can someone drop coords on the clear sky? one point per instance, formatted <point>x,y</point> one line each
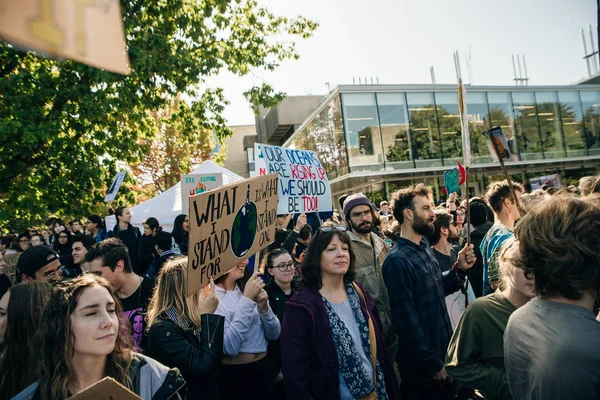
<point>398,40</point>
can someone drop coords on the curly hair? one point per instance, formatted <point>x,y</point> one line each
<point>442,220</point>
<point>559,242</point>
<point>55,340</point>
<point>589,185</point>
<point>312,275</point>
<point>25,307</point>
<point>404,198</point>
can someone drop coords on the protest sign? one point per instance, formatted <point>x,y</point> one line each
<point>87,31</point>
<point>451,179</point>
<point>539,181</point>
<point>303,183</point>
<point>114,188</point>
<point>106,389</point>
<point>500,140</point>
<point>228,225</point>
<point>192,184</point>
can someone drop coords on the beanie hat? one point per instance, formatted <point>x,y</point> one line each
<point>35,258</point>
<point>357,199</point>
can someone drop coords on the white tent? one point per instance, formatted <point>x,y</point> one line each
<point>167,205</point>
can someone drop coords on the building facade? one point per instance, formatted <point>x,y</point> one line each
<point>377,138</point>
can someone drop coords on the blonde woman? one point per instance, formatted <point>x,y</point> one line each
<point>184,332</point>
<point>475,356</point>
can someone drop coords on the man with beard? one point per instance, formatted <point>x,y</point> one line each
<point>370,251</point>
<point>417,291</point>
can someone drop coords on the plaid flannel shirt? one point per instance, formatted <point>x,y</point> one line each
<point>417,291</point>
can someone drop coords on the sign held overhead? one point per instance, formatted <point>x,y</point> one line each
<point>228,225</point>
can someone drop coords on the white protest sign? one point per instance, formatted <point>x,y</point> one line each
<point>303,183</point>
<point>193,184</point>
<point>114,188</point>
<point>87,31</point>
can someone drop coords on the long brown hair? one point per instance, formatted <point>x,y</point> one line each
<point>170,293</point>
<point>55,340</point>
<point>25,307</point>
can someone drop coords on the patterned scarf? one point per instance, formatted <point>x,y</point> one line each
<point>184,324</point>
<point>359,381</point>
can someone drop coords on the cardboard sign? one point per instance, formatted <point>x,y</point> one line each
<point>501,142</point>
<point>228,225</point>
<point>114,188</point>
<point>87,31</point>
<point>303,183</point>
<point>106,389</point>
<point>193,184</point>
<point>451,179</point>
<point>539,181</point>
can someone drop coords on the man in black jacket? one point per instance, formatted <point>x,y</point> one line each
<point>481,224</point>
<point>163,242</point>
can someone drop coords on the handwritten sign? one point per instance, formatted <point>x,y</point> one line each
<point>451,179</point>
<point>193,184</point>
<point>303,183</point>
<point>115,186</point>
<point>498,136</point>
<point>228,225</point>
<point>88,31</point>
<point>106,389</point>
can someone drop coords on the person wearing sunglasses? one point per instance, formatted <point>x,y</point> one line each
<point>39,264</point>
<point>332,341</point>
<point>279,269</point>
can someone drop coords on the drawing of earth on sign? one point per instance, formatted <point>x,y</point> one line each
<point>243,230</point>
<point>201,188</point>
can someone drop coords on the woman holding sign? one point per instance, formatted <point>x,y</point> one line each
<point>249,322</point>
<point>331,342</point>
<point>184,331</point>
<point>81,341</point>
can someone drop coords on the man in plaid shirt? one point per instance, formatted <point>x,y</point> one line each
<point>417,292</point>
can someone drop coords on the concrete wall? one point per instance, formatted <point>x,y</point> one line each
<point>236,155</point>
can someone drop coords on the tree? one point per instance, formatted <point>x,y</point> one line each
<point>64,125</point>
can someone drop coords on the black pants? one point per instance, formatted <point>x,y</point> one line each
<point>246,381</point>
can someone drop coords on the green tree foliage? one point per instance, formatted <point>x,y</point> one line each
<point>64,125</point>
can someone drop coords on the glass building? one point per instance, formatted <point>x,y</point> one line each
<point>377,138</point>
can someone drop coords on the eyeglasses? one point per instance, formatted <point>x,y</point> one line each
<point>339,228</point>
<point>57,271</point>
<point>23,240</point>
<point>286,267</point>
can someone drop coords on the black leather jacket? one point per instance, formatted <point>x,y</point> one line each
<point>198,361</point>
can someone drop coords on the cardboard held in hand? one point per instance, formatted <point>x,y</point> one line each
<point>228,225</point>
<point>106,389</point>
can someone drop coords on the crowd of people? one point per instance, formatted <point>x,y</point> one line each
<point>400,300</point>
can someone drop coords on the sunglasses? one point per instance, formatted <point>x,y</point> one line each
<point>339,228</point>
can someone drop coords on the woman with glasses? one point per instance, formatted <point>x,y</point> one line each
<point>279,269</point>
<point>23,242</point>
<point>249,323</point>
<point>331,340</point>
<point>475,355</point>
<point>64,247</point>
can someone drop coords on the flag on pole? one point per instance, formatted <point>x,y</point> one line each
<point>464,122</point>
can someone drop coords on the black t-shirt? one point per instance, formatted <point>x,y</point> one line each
<point>446,262</point>
<point>135,308</point>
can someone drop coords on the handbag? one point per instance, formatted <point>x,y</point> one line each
<point>373,340</point>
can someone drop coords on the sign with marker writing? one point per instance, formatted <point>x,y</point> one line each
<point>303,183</point>
<point>106,389</point>
<point>88,31</point>
<point>192,184</point>
<point>229,225</point>
<point>451,179</point>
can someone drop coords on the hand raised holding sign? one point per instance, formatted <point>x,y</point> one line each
<point>262,300</point>
<point>300,222</point>
<point>254,285</point>
<point>208,299</point>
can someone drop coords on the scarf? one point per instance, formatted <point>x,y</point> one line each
<point>182,322</point>
<point>359,381</point>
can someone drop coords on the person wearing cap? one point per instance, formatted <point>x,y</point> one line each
<point>39,264</point>
<point>384,209</point>
<point>370,251</point>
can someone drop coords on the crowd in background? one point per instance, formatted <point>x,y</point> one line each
<point>403,299</point>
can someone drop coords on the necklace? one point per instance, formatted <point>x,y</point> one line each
<point>212,339</point>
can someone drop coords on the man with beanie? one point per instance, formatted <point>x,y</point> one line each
<point>39,264</point>
<point>370,251</point>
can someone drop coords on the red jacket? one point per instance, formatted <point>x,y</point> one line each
<point>309,361</point>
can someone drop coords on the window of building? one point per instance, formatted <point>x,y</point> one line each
<point>448,117</point>
<point>363,138</point>
<point>548,112</point>
<point>590,100</point>
<point>529,139</point>
<point>571,116</point>
<point>394,123</point>
<point>477,110</point>
<point>424,130</point>
<point>501,114</point>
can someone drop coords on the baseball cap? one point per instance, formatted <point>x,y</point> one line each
<point>35,258</point>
